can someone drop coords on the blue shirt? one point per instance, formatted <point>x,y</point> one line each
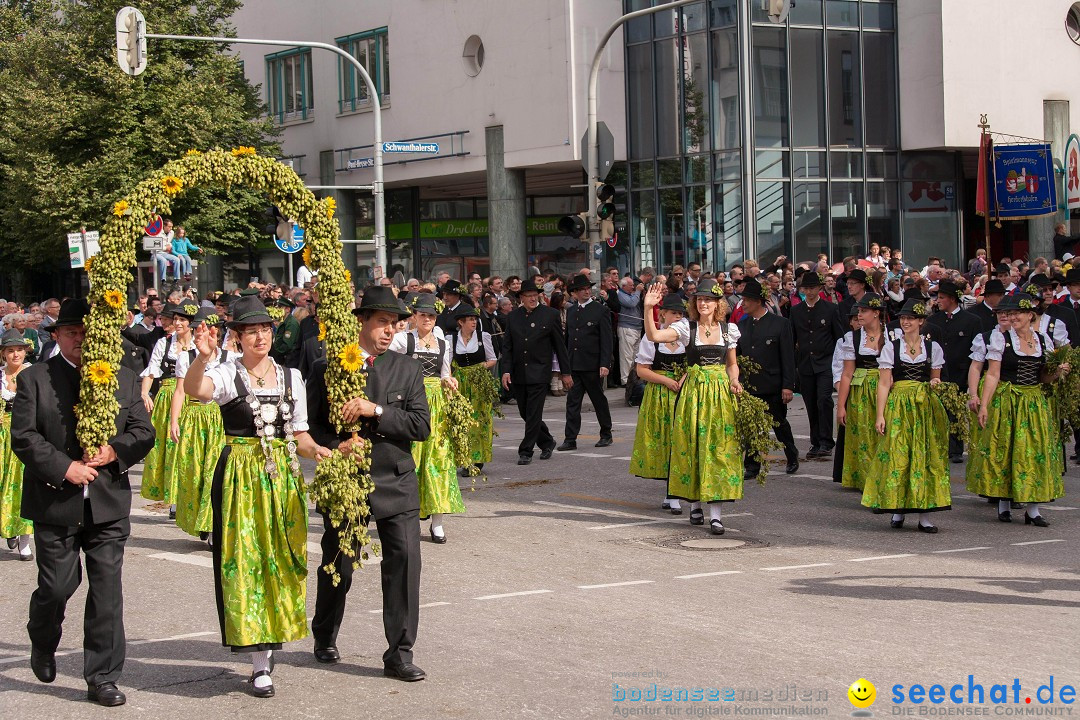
<point>183,246</point>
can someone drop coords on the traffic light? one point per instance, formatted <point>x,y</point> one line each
<point>279,225</point>
<point>131,41</point>
<point>606,210</point>
<point>572,225</point>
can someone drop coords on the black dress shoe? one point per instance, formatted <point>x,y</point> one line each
<point>697,517</point>
<point>524,459</point>
<point>604,442</point>
<point>716,527</point>
<point>261,692</point>
<point>327,655</point>
<point>43,664</point>
<point>792,467</point>
<point>956,459</point>
<point>813,453</point>
<point>567,445</point>
<point>676,511</point>
<point>896,523</point>
<point>1005,516</point>
<point>172,513</point>
<point>437,539</point>
<point>404,671</point>
<point>546,454</point>
<point>1037,521</point>
<point>12,543</point>
<point>106,694</point>
<point>927,528</point>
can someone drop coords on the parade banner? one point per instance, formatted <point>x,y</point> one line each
<point>1072,173</point>
<point>1023,181</point>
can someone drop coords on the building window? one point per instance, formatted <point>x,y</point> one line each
<point>372,50</point>
<point>289,87</point>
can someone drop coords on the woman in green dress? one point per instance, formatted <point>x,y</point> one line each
<point>260,514</point>
<point>435,468</point>
<point>158,482</point>
<point>473,358</point>
<point>856,405</point>
<point>660,365</point>
<point>993,488</point>
<point>196,429</point>
<point>706,457</point>
<point>911,471</point>
<point>1022,457</point>
<point>17,531</point>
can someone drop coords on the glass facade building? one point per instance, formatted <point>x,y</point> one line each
<point>751,138</point>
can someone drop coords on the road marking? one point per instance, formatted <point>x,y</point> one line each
<point>507,447</point>
<point>795,567</point>
<point>615,584</point>
<point>881,557</point>
<point>63,653</point>
<point>631,524</point>
<point>513,594</point>
<point>812,477</point>
<point>591,455</point>
<point>185,636</point>
<point>708,574</point>
<point>627,458</point>
<point>1057,507</point>
<point>434,604</point>
<point>186,559</point>
<point>1037,542</point>
<point>979,547</point>
<point>609,501</point>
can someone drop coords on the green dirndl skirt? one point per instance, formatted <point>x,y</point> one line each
<point>911,470</point>
<point>158,482</point>
<point>471,382</point>
<point>11,483</point>
<point>861,439</point>
<point>439,492</point>
<point>706,457</point>
<point>201,441</point>
<point>978,481</point>
<point>1020,447</point>
<point>260,547</point>
<point>652,438</point>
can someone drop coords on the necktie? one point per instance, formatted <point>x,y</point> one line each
<point>370,362</point>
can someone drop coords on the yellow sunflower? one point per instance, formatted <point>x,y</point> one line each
<point>121,208</point>
<point>86,265</point>
<point>331,206</point>
<point>322,331</point>
<point>172,184</point>
<point>348,276</point>
<point>350,358</point>
<point>243,150</point>
<point>192,152</point>
<point>307,255</point>
<point>114,298</point>
<point>100,372</point>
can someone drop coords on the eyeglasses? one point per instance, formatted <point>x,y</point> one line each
<point>257,332</point>
<point>678,273</point>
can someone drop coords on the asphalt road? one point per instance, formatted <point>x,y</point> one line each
<point>564,591</point>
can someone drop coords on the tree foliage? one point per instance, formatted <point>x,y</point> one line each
<point>76,133</point>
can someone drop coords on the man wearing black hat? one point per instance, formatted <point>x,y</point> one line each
<point>1054,320</point>
<point>957,329</point>
<point>77,503</point>
<point>767,340</point>
<point>856,286</point>
<point>533,336</point>
<point>394,413</point>
<point>816,326</point>
<point>286,336</point>
<point>1003,272</point>
<point>588,346</point>
<point>992,293</point>
<point>451,297</point>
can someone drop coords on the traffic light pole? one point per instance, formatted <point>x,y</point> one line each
<point>594,153</point>
<point>377,186</point>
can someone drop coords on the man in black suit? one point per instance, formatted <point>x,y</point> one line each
<point>588,345</point>
<point>767,340</point>
<point>992,293</point>
<point>451,297</point>
<point>1061,325</point>
<point>1063,242</point>
<point>816,326</point>
<point>394,413</point>
<point>533,336</point>
<point>856,285</point>
<point>957,330</point>
<point>78,502</point>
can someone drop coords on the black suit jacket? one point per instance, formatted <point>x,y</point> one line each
<point>769,343</point>
<point>816,331</point>
<point>987,317</point>
<point>530,341</point>
<point>135,358</point>
<point>43,437</point>
<point>313,350</point>
<point>588,337</point>
<point>956,336</point>
<point>397,384</point>
<point>446,322</point>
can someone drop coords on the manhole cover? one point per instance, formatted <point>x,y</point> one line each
<point>713,543</point>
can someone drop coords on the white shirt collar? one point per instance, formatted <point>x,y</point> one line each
<point>585,303</point>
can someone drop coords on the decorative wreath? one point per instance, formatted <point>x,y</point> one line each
<point>1026,304</point>
<point>919,309</point>
<point>341,487</point>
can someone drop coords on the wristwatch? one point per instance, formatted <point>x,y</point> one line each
<point>378,411</point>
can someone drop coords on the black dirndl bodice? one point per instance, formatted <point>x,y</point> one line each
<point>430,363</point>
<point>916,372</point>
<point>1020,369</point>
<point>663,362</point>
<point>706,354</point>
<point>863,362</point>
<point>168,365</point>
<point>475,357</point>
<point>238,418</point>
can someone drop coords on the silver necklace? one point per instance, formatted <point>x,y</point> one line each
<point>266,415</point>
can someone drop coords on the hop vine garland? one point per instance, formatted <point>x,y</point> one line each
<point>483,383</point>
<point>754,428</point>
<point>459,423</point>
<point>955,404</point>
<point>1065,393</point>
<point>341,483</point>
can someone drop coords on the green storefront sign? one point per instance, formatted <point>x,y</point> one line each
<point>439,229</point>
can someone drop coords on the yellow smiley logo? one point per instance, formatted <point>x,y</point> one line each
<point>862,693</point>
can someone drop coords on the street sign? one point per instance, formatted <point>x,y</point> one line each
<point>155,227</point>
<point>153,243</point>
<point>131,41</point>
<point>411,147</point>
<point>613,240</point>
<point>293,245</point>
<point>605,146</point>
<point>81,246</point>
<point>598,250</point>
<point>360,163</point>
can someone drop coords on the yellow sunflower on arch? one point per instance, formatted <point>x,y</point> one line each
<point>172,184</point>
<point>114,299</point>
<point>350,358</point>
<point>100,372</point>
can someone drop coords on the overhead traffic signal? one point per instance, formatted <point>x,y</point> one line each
<point>607,209</point>
<point>572,225</point>
<point>131,41</point>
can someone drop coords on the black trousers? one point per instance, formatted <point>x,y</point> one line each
<point>587,381</point>
<point>778,410</point>
<point>399,536</point>
<point>817,391</point>
<point>530,401</point>
<point>59,575</point>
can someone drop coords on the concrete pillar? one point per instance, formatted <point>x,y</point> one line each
<point>1056,130</point>
<point>211,274</point>
<point>506,209</point>
<point>346,211</point>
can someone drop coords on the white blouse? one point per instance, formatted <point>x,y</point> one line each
<point>464,348</point>
<point>400,345</point>
<point>997,344</point>
<point>646,353</point>
<point>153,369</point>
<point>847,345</point>
<point>937,357</point>
<point>682,327</point>
<point>224,378</point>
<point>978,349</point>
<point>8,395</point>
<point>837,362</point>
<point>1061,333</point>
<point>183,362</point>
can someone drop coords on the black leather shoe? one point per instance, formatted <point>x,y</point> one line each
<point>927,528</point>
<point>716,527</point>
<point>813,453</point>
<point>567,445</point>
<point>106,694</point>
<point>437,539</point>
<point>172,513</point>
<point>697,517</point>
<point>546,454</point>
<point>896,523</point>
<point>676,511</point>
<point>956,459</point>
<point>1005,516</point>
<point>12,543</point>
<point>1037,521</point>
<point>604,442</point>
<point>524,459</point>
<point>327,655</point>
<point>261,692</point>
<point>43,664</point>
<point>792,467</point>
<point>404,671</point>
